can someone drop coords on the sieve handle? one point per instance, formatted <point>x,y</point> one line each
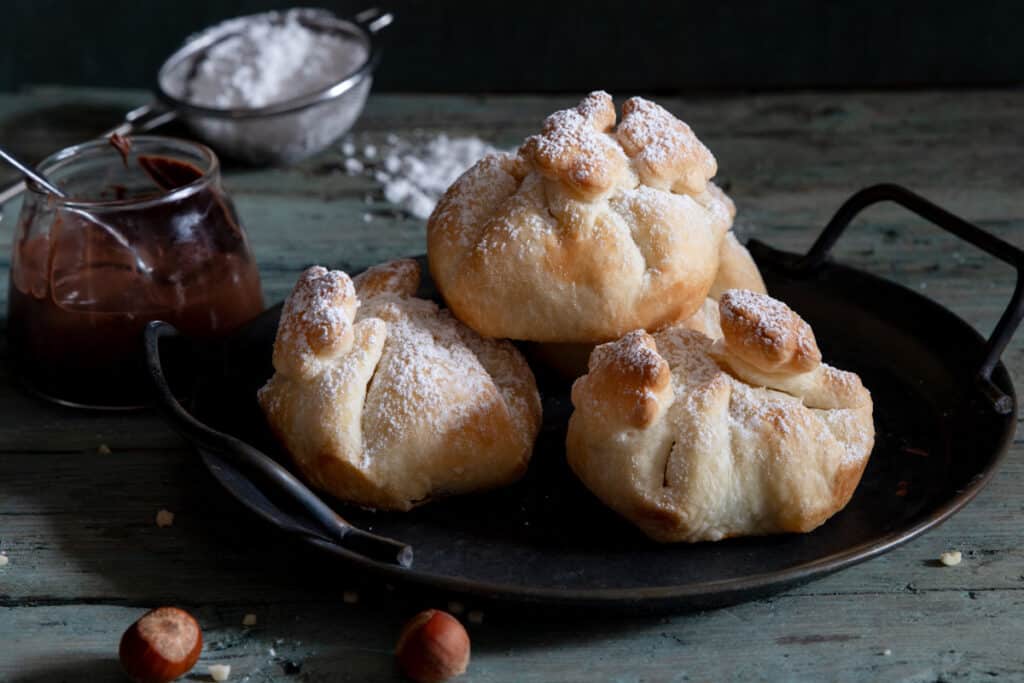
<point>143,119</point>
<point>373,19</point>
<point>139,120</point>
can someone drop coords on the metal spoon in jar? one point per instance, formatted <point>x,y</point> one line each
<point>48,185</point>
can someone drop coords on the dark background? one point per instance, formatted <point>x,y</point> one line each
<point>536,45</point>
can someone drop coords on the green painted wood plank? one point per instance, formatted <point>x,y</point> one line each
<point>78,525</point>
<point>82,528</point>
<point>797,638</point>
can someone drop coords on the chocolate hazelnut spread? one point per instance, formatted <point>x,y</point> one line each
<point>79,298</point>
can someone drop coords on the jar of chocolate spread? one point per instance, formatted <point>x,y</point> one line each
<point>146,233</point>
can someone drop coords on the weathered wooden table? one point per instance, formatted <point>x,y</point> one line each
<point>77,522</point>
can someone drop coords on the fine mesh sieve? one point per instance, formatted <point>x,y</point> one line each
<point>281,133</point>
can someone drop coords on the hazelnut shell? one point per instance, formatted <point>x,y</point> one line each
<point>164,644</point>
<point>433,647</point>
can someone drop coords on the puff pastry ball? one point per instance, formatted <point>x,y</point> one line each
<point>588,231</point>
<point>385,401</point>
<point>694,440</point>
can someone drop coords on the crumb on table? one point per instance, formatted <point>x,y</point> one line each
<point>219,672</point>
<point>950,558</point>
<point>164,518</point>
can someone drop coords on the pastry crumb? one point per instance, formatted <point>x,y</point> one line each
<point>249,620</point>
<point>164,518</point>
<point>951,558</point>
<point>456,607</point>
<point>475,617</point>
<point>219,672</point>
<point>103,449</point>
<point>350,597</point>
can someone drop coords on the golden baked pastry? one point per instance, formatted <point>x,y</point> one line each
<point>386,401</point>
<point>588,231</point>
<point>694,440</point>
<point>736,269</point>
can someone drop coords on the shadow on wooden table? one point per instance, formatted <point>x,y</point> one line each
<point>54,127</point>
<point>98,669</point>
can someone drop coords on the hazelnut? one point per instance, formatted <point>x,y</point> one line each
<point>161,646</point>
<point>433,647</point>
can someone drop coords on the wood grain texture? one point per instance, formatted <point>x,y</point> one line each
<point>86,557</point>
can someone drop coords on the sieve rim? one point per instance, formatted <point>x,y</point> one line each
<point>362,25</point>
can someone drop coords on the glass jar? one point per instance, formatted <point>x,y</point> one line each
<point>145,233</point>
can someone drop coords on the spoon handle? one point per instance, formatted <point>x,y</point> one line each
<point>30,173</point>
<point>251,460</point>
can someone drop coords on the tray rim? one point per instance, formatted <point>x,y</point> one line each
<point>679,597</point>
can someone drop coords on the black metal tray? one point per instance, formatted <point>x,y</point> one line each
<point>945,414</point>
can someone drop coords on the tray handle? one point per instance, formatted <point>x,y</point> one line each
<point>251,459</point>
<point>987,242</point>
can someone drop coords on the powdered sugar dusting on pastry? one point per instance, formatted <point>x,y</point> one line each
<point>770,316</point>
<point>424,363</point>
<point>477,194</point>
<point>766,332</point>
<point>319,306</point>
<point>667,153</point>
<point>575,145</point>
<point>601,229</point>
<point>416,405</point>
<point>781,452</point>
<point>315,320</point>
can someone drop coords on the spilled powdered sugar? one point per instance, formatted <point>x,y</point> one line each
<point>415,171</point>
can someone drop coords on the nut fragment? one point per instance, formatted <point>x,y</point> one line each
<point>161,646</point>
<point>219,672</point>
<point>433,647</point>
<point>164,518</point>
<point>950,558</point>
<point>249,620</point>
